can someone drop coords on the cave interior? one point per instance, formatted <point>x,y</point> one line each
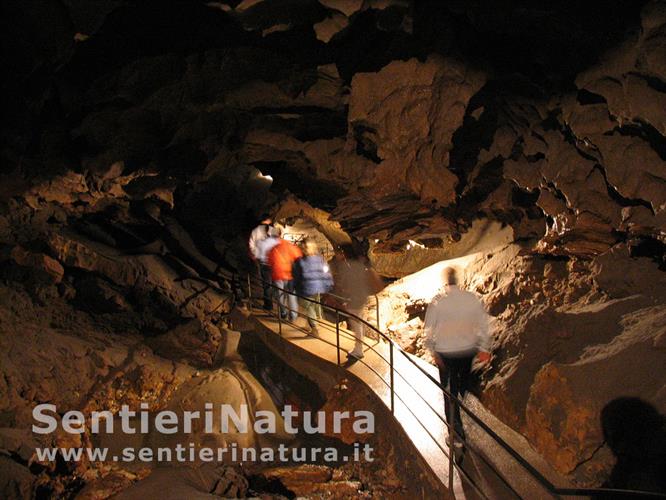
<point>522,142</point>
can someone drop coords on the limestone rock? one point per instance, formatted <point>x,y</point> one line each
<point>231,484</point>
<point>407,113</point>
<point>48,267</point>
<point>20,443</point>
<point>628,77</point>
<point>16,481</point>
<point>107,486</point>
<point>562,415</point>
<point>392,219</point>
<point>195,342</point>
<point>483,235</point>
<point>564,430</point>
<point>76,252</point>
<point>634,169</point>
<point>327,91</point>
<point>330,26</point>
<point>65,189</point>
<point>293,207</point>
<point>303,474</point>
<point>332,489</point>
<point>98,295</point>
<point>200,482</point>
<point>149,275</point>
<point>152,187</point>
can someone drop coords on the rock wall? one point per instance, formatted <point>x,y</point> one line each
<point>142,141</point>
<point>568,337</point>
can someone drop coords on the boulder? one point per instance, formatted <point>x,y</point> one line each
<point>197,483</point>
<point>563,411</point>
<point>48,268</point>
<point>16,481</point>
<point>195,342</point>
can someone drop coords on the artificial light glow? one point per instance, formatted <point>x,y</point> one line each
<point>261,176</point>
<point>416,244</point>
<point>326,268</point>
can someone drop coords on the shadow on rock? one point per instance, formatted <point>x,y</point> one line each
<point>636,434</point>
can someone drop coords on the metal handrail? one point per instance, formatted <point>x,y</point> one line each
<point>528,467</point>
<point>451,430</point>
<point>348,298</point>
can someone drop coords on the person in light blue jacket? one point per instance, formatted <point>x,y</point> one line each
<point>312,278</point>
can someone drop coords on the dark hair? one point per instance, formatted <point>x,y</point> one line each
<point>450,276</point>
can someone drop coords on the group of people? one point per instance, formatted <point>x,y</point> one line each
<point>456,333</point>
<point>456,324</point>
<point>291,271</point>
<point>295,271</point>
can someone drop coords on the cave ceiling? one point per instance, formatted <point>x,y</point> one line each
<point>403,120</point>
<point>522,141</point>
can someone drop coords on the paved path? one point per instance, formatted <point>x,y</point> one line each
<point>419,408</point>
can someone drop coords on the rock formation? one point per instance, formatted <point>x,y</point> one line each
<point>525,144</point>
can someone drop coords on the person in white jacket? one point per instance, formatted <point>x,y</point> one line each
<point>456,331</point>
<point>258,250</point>
<point>258,233</point>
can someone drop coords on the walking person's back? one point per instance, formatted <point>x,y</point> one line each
<point>456,327</point>
<point>311,279</point>
<point>281,259</point>
<point>258,234</point>
<point>457,321</point>
<point>262,239</point>
<point>357,282</point>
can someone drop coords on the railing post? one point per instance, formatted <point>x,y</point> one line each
<point>451,445</point>
<point>249,292</point>
<point>279,315</point>
<point>392,378</point>
<point>377,310</point>
<point>337,333</point>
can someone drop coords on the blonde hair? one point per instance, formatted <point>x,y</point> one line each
<point>311,248</point>
<point>276,230</point>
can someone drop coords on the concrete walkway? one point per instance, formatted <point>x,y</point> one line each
<point>419,408</point>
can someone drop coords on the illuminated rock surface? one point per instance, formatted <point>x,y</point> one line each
<point>142,141</point>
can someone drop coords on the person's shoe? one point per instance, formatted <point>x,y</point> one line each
<point>356,353</point>
<point>459,450</point>
<point>459,445</point>
<point>268,307</point>
<point>293,317</point>
<point>314,332</point>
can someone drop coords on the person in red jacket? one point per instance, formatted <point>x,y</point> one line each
<point>281,259</point>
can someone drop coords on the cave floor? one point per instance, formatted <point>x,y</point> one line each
<point>419,408</point>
